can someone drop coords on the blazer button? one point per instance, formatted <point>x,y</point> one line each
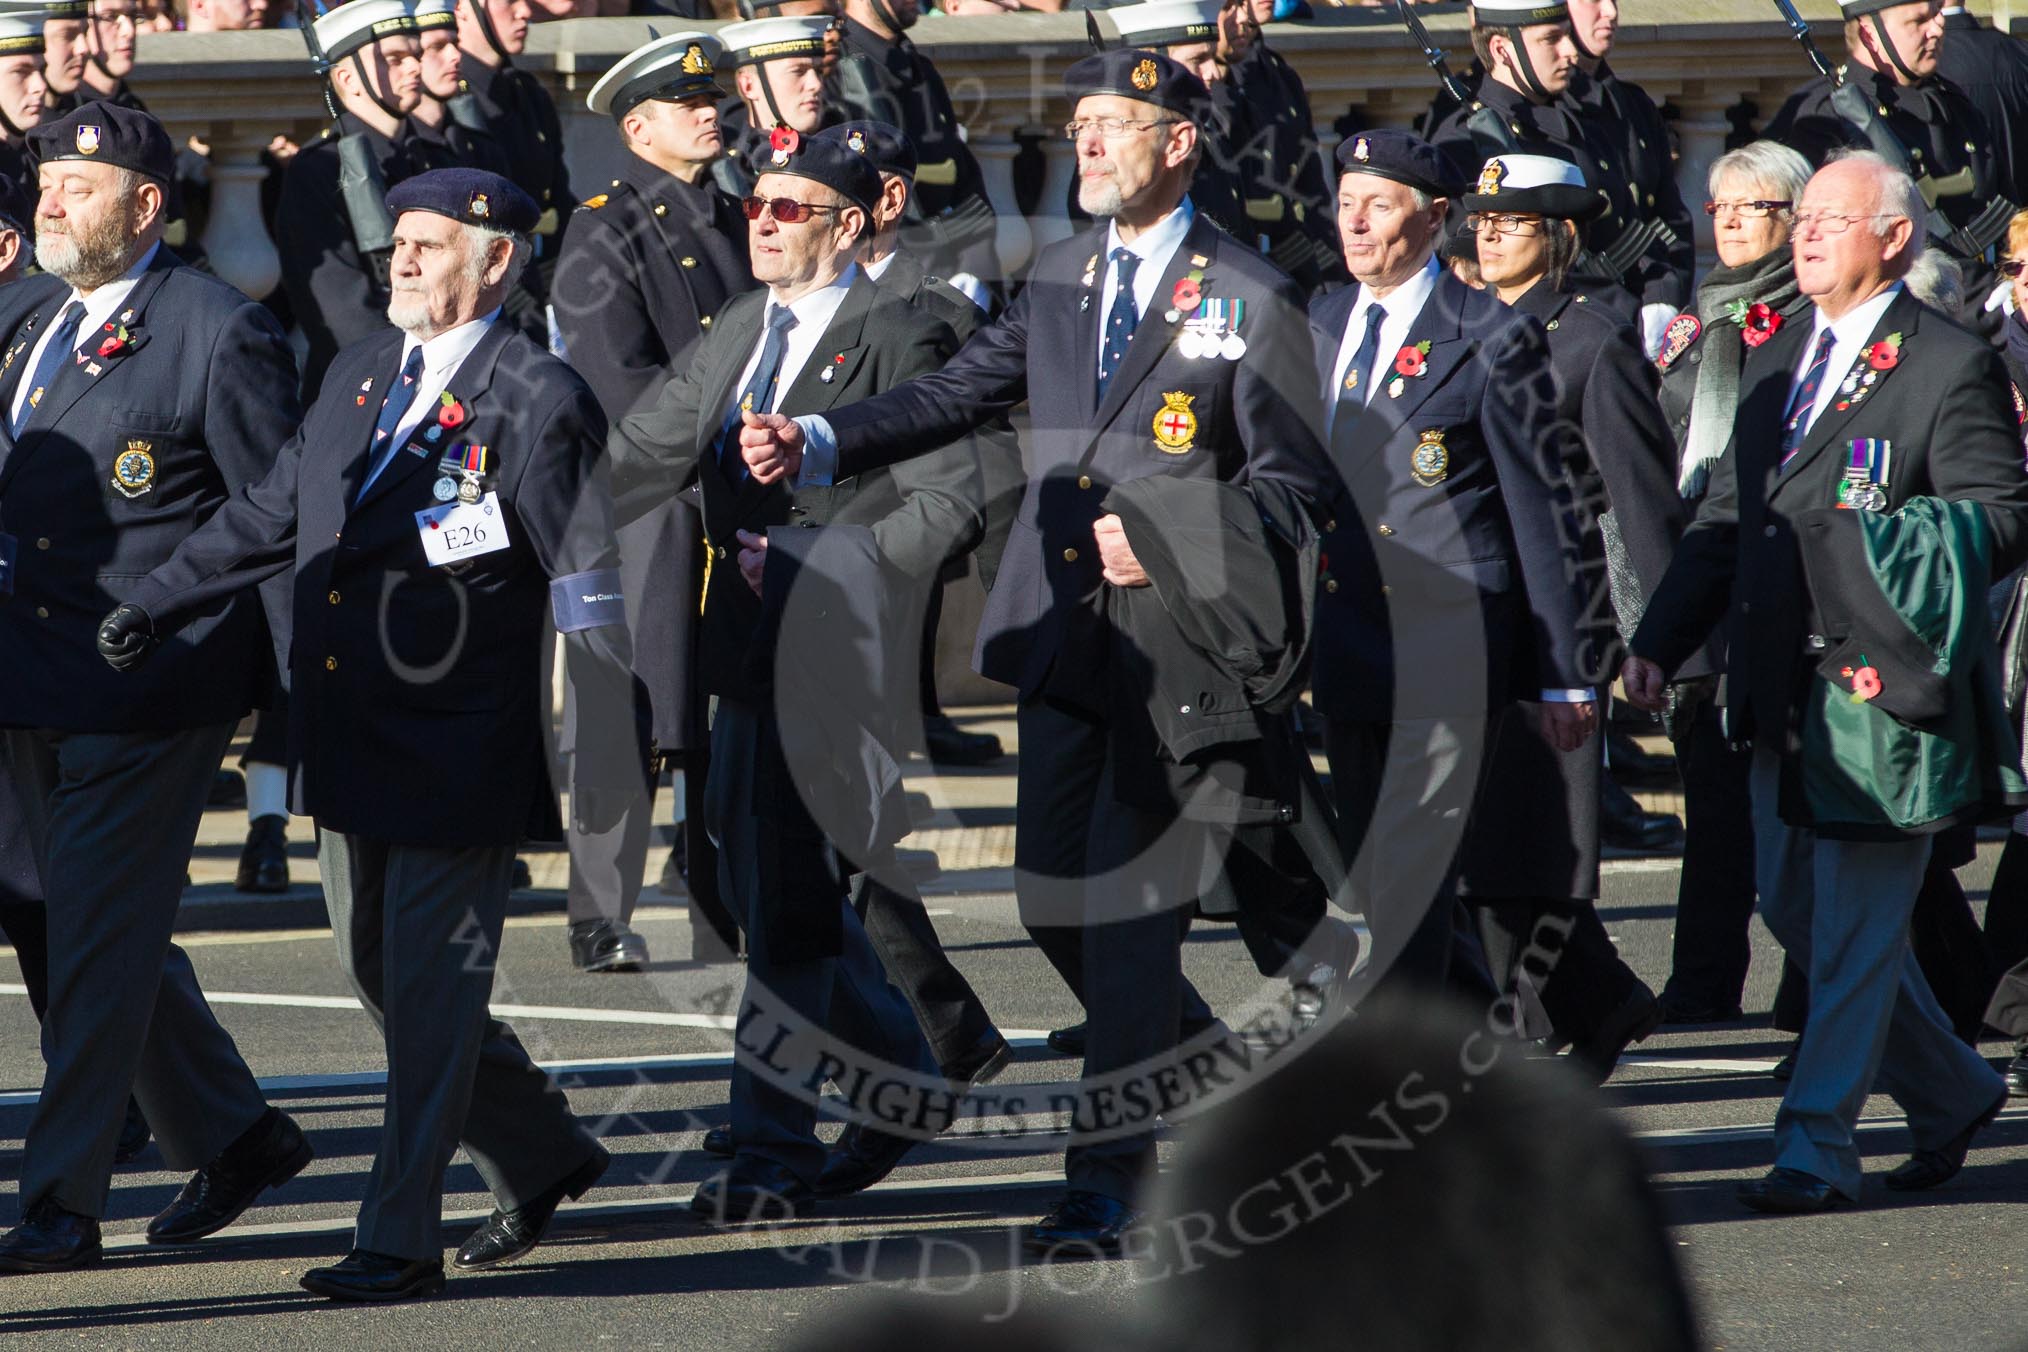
<point>42,542</point>
<point>1386,529</point>
<point>1070,556</point>
<point>689,262</point>
<point>661,210</point>
<point>1084,481</point>
<point>1330,584</point>
<point>334,598</point>
<point>1330,525</point>
<point>1385,590</point>
<point>42,612</point>
<point>1769,531</point>
<point>721,551</point>
<point>705,322</point>
<point>1746,607</point>
<point>330,664</point>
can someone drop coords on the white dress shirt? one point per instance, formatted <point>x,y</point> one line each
<point>1154,246</point>
<point>1403,304</point>
<point>442,356</point>
<point>1852,330</point>
<point>814,311</point>
<point>100,306</point>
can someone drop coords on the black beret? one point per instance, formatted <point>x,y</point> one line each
<point>887,146</point>
<point>473,196</point>
<point>17,204</point>
<point>845,172</point>
<point>106,133</point>
<point>1400,155</point>
<point>1135,74</point>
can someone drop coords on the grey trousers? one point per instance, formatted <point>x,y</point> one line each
<point>111,818</point>
<point>418,932</point>
<point>1840,908</point>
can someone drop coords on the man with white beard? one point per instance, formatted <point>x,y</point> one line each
<point>440,491</point>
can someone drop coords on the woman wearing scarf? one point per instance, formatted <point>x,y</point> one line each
<point>1531,850</point>
<point>1751,293</point>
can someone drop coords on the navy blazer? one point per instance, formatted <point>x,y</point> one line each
<point>1456,592</point>
<point>205,390</point>
<point>420,708</point>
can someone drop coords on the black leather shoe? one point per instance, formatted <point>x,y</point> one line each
<point>1790,1192</point>
<point>945,743</point>
<point>1625,825</point>
<point>2016,1075</point>
<point>752,1192</point>
<point>50,1239</point>
<point>522,879</point>
<point>134,1135</point>
<point>1928,1168</point>
<point>264,861</point>
<point>1634,1019</point>
<point>1784,1069</point>
<point>1310,997</point>
<point>718,1141</point>
<point>507,1235</point>
<point>376,1276</point>
<point>1082,1225</point>
<point>1626,762</point>
<point>987,1058</point>
<point>1684,1009</point>
<point>228,789</point>
<point>607,946</point>
<point>862,1157</point>
<point>268,1154</point>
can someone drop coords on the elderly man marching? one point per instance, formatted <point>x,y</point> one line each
<point>436,497</point>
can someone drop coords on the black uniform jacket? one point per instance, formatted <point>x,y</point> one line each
<point>419,707</point>
<point>197,402</point>
<point>1944,409</point>
<point>1163,413</point>
<point>1991,68</point>
<point>1452,545</point>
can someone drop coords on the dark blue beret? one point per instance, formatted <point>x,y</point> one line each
<point>845,172</point>
<point>1400,155</point>
<point>106,133</point>
<point>887,146</point>
<point>472,196</point>
<point>1135,74</point>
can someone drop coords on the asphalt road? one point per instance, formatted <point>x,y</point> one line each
<point>645,1056</point>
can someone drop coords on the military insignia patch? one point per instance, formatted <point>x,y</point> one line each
<point>134,469</point>
<point>594,203</point>
<point>1676,339</point>
<point>1176,425</point>
<point>1429,463</point>
<point>480,207</point>
<point>1360,152</point>
<point>695,62</point>
<point>89,135</point>
<point>857,141</point>
<point>1144,76</point>
<point>1490,177</point>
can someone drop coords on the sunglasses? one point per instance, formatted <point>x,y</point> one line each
<point>2010,268</point>
<point>787,210</point>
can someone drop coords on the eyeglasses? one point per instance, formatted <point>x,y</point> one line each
<point>2010,268</point>
<point>1751,211</point>
<point>1505,223</point>
<point>787,210</point>
<point>1835,223</point>
<point>1113,128</point>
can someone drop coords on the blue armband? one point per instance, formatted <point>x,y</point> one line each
<point>587,600</point>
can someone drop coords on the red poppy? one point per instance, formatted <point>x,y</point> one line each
<point>115,342</point>
<point>450,413</point>
<point>1186,295</point>
<point>784,138</point>
<point>1883,355</point>
<point>1408,362</point>
<point>1761,324</point>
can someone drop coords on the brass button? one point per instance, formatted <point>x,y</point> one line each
<point>1070,556</point>
<point>1084,481</point>
<point>1386,529</point>
<point>330,664</point>
<point>334,598</point>
<point>42,612</point>
<point>42,542</point>
<point>721,551</point>
<point>661,209</point>
<point>616,183</point>
<point>1386,590</point>
<point>1330,584</point>
<point>706,321</point>
<point>1330,525</point>
<point>689,262</point>
<point>1553,323</point>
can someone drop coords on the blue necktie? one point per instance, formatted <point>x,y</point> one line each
<point>400,396</point>
<point>1121,321</point>
<point>62,344</point>
<point>759,394</point>
<point>1359,376</point>
<point>1796,426</point>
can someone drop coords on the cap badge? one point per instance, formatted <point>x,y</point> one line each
<point>1490,178</point>
<point>480,207</point>
<point>857,140</point>
<point>1144,76</point>
<point>1360,151</point>
<point>89,134</point>
<point>694,61</point>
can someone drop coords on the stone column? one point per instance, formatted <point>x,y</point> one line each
<point>996,151</point>
<point>235,238</point>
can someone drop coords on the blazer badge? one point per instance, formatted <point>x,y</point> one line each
<point>134,469</point>
<point>1176,425</point>
<point>1429,462</point>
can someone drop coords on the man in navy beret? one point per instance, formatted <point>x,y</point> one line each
<point>438,508</point>
<point>136,396</point>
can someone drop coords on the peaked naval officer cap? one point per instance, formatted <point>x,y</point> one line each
<point>887,146</point>
<point>429,15</point>
<point>1167,23</point>
<point>65,9</point>
<point>679,66</point>
<point>470,196</point>
<point>21,31</point>
<point>1535,185</point>
<point>758,40</point>
<point>106,133</point>
<point>1859,9</point>
<point>344,29</point>
<point>844,171</point>
<point>1400,155</point>
<point>1133,73</point>
<point>1518,13</point>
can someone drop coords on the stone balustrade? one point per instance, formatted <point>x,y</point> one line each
<point>1717,64</point>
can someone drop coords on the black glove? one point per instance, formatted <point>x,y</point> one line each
<point>126,637</point>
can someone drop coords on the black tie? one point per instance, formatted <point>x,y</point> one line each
<point>759,394</point>
<point>1121,321</point>
<point>62,344</point>
<point>1359,376</point>
<point>400,395</point>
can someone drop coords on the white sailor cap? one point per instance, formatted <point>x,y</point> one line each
<point>676,67</point>
<point>20,30</point>
<point>758,40</point>
<point>1518,13</point>
<point>1164,23</point>
<point>346,28</point>
<point>429,15</point>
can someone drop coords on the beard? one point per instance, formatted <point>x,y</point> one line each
<point>1100,197</point>
<point>408,309</point>
<point>86,256</point>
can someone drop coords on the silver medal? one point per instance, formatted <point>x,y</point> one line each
<point>1191,344</point>
<point>1233,348</point>
<point>468,491</point>
<point>445,489</point>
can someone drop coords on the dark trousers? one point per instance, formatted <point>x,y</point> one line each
<point>111,818</point>
<point>898,925</point>
<point>1714,898</point>
<point>1576,978</point>
<point>21,914</point>
<point>1104,889</point>
<point>2006,931</point>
